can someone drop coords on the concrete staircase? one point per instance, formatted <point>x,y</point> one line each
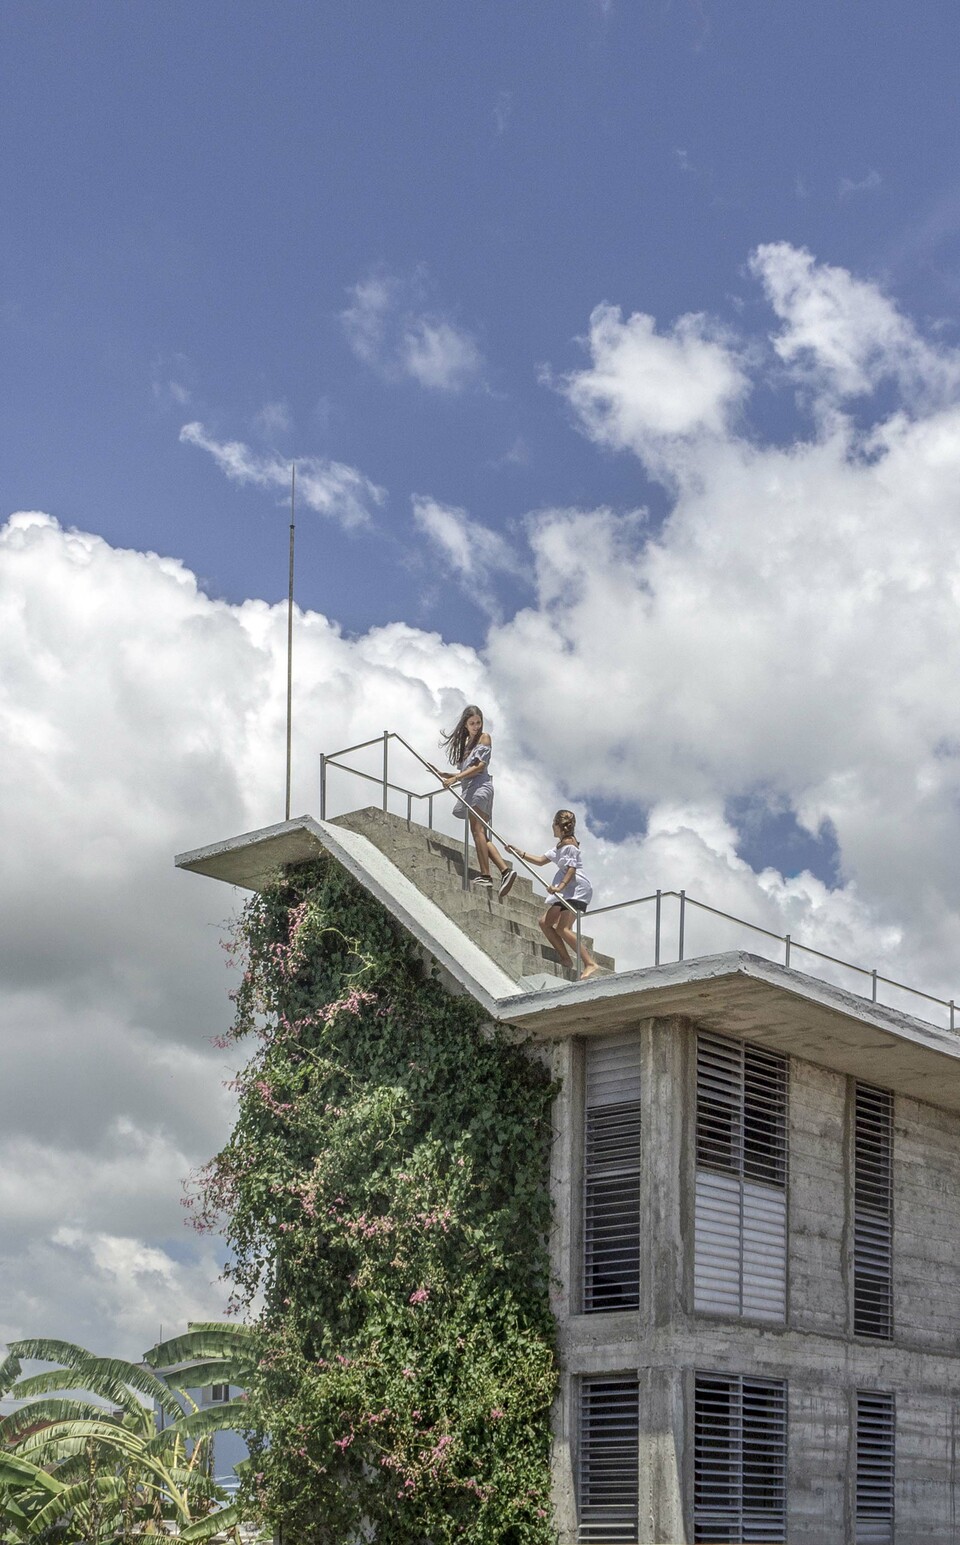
<point>507,931</point>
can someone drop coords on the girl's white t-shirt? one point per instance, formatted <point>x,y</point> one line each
<point>567,856</point>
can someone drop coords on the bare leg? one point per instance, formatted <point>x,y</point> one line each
<point>548,924</point>
<point>567,932</point>
<point>485,848</point>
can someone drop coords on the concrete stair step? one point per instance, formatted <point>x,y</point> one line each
<point>506,930</point>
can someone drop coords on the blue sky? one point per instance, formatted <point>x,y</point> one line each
<point>190,194</point>
<point>617,346</point>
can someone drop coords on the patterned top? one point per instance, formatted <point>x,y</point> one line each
<point>567,856</point>
<point>478,790</point>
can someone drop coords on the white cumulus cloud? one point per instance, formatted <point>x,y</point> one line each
<point>645,387</point>
<point>846,333</point>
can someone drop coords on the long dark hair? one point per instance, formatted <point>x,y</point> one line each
<point>456,744</point>
<point>567,822</point>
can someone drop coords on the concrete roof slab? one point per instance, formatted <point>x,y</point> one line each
<point>735,994</point>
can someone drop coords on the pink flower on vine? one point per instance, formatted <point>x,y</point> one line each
<point>496,1415</point>
<point>420,1296</point>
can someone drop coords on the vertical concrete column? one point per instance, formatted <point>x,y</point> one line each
<point>564,1060</point>
<point>663,1048</point>
<point>661,1457</point>
<point>664,1117</point>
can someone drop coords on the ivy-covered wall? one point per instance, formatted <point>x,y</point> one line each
<point>386,1190</point>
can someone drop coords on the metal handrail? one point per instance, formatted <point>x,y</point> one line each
<point>657,897</point>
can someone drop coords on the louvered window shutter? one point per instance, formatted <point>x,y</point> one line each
<point>740,1460</point>
<point>611,1204</point>
<point>875,1443</point>
<point>873,1213</point>
<point>608,1461</point>
<point>740,1226</point>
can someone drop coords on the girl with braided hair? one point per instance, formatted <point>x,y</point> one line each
<point>571,883</point>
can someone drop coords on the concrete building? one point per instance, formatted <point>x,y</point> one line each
<point>756,1181</point>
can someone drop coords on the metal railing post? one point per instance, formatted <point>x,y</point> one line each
<point>386,748</point>
<point>409,810</point>
<point>656,934</point>
<point>786,949</point>
<point>323,787</point>
<point>430,811</point>
<point>683,913</point>
<point>579,950</point>
<point>873,981</point>
<point>466,855</point>
<point>951,1014</point>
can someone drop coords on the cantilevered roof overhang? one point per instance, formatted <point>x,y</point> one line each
<point>736,994</point>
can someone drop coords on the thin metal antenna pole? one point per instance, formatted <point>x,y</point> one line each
<point>293,495</point>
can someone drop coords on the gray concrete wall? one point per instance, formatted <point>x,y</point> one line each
<point>815,1351</point>
<point>818,1242</point>
<point>926,1219</point>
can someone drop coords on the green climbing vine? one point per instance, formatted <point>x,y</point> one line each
<point>385,1191</point>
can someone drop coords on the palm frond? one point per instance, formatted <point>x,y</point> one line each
<point>76,1499</point>
<point>18,1422</point>
<point>109,1377</point>
<point>204,1342</point>
<point>9,1371</point>
<point>17,1471</point>
<point>229,1416</point>
<point>214,1523</point>
<point>106,1435</point>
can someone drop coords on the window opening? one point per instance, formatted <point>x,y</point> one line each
<point>873,1213</point>
<point>740,1232</point>
<point>611,1208</point>
<point>608,1461</point>
<point>875,1444</point>
<point>740,1460</point>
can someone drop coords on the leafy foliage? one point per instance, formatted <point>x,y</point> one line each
<point>74,1469</point>
<point>385,1189</point>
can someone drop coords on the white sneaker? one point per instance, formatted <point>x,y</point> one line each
<point>483,882</point>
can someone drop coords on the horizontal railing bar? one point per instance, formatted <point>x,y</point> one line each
<point>742,922</point>
<point>888,981</point>
<point>398,788</point>
<point>635,901</point>
<point>362,746</point>
<point>757,927</point>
